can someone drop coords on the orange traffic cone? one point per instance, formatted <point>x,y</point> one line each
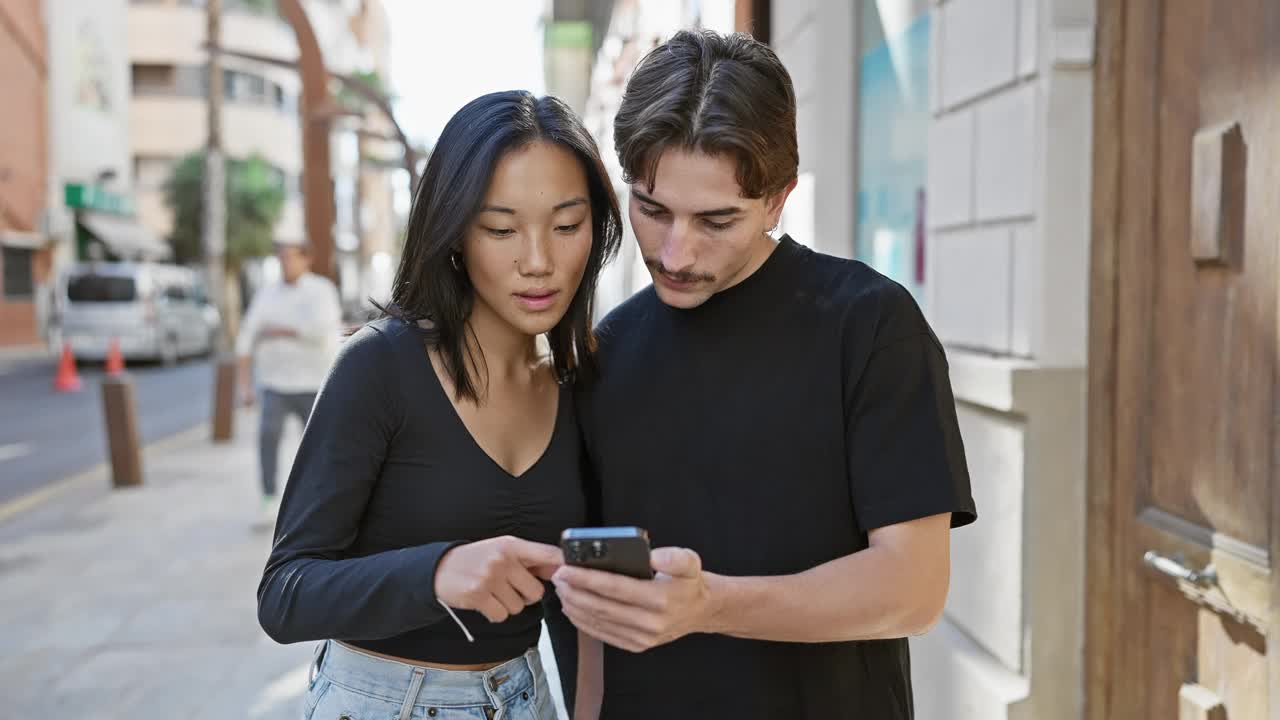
<point>66,380</point>
<point>115,361</point>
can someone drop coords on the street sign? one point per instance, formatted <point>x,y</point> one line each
<point>92,197</point>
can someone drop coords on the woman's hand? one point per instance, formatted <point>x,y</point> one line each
<point>497,577</point>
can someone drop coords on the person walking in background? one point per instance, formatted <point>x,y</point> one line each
<point>287,342</point>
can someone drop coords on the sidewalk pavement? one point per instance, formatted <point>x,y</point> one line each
<point>140,603</point>
<point>27,352</point>
<point>13,356</point>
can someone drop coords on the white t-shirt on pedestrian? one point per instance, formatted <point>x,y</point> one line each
<point>309,307</point>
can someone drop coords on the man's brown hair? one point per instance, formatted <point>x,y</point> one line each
<point>717,94</point>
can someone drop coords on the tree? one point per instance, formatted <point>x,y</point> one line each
<point>370,85</point>
<point>255,199</point>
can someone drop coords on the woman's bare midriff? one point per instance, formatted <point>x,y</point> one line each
<point>480,667</point>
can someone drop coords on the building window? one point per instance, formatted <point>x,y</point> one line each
<point>247,87</point>
<point>255,7</point>
<point>18,281</point>
<point>153,79</point>
<point>893,131</point>
<point>255,87</point>
<point>229,84</point>
<point>191,80</point>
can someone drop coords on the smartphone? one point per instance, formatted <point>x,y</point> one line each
<point>623,550</point>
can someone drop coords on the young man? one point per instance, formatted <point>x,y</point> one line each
<point>288,339</point>
<point>780,421</point>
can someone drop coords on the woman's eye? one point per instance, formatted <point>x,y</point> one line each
<point>569,228</point>
<point>500,232</point>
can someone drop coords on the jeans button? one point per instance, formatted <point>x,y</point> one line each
<point>432,712</point>
<point>524,696</point>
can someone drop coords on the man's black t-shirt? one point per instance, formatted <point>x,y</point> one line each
<point>770,429</point>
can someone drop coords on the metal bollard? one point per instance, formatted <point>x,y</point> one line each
<point>121,418</point>
<point>224,399</point>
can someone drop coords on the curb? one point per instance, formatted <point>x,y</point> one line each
<point>13,353</point>
<point>100,472</point>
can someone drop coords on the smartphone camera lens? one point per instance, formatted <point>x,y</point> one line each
<point>597,549</point>
<point>575,552</point>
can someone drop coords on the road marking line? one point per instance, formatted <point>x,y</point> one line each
<point>14,450</point>
<point>99,472</point>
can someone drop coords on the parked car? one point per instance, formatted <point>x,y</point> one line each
<point>154,311</point>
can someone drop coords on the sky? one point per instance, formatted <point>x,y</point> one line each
<point>445,53</point>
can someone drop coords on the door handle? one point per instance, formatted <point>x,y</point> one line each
<point>1175,567</point>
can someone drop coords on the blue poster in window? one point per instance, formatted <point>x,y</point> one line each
<point>893,129</point>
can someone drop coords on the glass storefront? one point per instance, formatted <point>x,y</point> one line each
<point>892,142</point>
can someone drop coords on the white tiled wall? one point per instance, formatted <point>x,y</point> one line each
<point>951,169</point>
<point>1026,297</point>
<point>971,286</point>
<point>988,25</point>
<point>955,679</point>
<point>986,566</point>
<point>1007,276</point>
<point>1005,155</point>
<point>1006,286</point>
<point>1027,165</point>
<point>1028,36</point>
<point>981,169</point>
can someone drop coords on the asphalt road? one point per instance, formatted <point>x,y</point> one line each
<point>46,436</point>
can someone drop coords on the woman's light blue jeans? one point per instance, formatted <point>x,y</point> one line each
<point>346,684</point>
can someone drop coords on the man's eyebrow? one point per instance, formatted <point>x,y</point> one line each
<point>718,212</point>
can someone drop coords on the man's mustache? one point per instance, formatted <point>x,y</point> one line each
<point>686,276</point>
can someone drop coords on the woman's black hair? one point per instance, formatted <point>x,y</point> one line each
<point>430,286</point>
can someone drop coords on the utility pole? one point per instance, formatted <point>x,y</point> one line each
<point>316,108</point>
<point>316,105</point>
<point>215,232</point>
<point>215,176</point>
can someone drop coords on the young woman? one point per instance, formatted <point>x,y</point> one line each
<point>442,458</point>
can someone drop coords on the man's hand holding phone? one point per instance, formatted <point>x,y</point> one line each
<point>632,613</point>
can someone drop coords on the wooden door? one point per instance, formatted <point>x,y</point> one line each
<point>1183,517</point>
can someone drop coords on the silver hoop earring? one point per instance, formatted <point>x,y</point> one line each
<point>456,261</point>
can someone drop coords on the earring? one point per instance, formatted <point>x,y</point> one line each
<point>455,260</point>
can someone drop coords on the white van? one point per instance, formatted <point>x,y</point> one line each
<point>154,311</point>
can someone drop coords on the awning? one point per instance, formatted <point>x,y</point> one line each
<point>125,237</point>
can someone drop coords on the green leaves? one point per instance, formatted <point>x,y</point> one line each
<point>255,198</point>
<point>353,100</point>
<point>264,7</point>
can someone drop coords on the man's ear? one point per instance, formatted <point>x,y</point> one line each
<point>774,205</point>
